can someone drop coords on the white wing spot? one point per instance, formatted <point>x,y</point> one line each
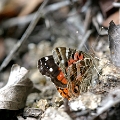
<point>67,50</point>
<point>67,54</point>
<point>46,58</point>
<point>41,67</point>
<point>45,63</point>
<point>50,69</point>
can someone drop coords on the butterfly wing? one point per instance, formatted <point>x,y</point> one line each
<point>76,65</point>
<point>47,66</point>
<point>64,57</point>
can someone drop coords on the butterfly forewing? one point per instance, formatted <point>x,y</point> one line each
<point>47,66</point>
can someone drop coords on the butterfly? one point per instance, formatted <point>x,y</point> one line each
<point>69,69</point>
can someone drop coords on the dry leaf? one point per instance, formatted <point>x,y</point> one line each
<point>13,95</point>
<point>30,7</point>
<point>114,17</point>
<point>114,43</point>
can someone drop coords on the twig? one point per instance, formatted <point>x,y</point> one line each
<point>25,35</point>
<point>17,21</point>
<point>78,114</point>
<point>88,19</point>
<point>85,38</point>
<point>101,31</point>
<point>56,6</point>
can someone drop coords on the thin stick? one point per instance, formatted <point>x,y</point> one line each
<point>84,39</point>
<point>29,30</point>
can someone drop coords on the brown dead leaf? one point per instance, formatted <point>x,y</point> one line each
<point>13,95</point>
<point>30,7</point>
<point>114,17</point>
<point>107,7</point>
<point>11,8</point>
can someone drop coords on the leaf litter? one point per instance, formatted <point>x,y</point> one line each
<point>77,27</point>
